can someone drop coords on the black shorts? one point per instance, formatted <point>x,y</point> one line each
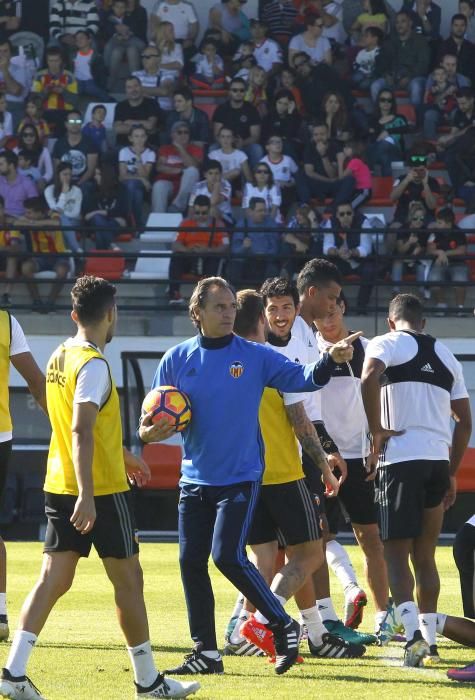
<point>334,514</point>
<point>464,555</point>
<point>357,494</point>
<point>404,490</point>
<point>5,452</point>
<point>285,511</point>
<point>113,534</point>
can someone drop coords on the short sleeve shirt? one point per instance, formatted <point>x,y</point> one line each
<point>75,155</point>
<point>239,120</point>
<point>125,111</point>
<point>127,155</point>
<point>181,15</point>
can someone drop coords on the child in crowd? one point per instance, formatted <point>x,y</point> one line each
<point>209,67</point>
<point>26,167</point>
<point>234,161</point>
<point>288,82</point>
<point>33,117</point>
<point>375,15</point>
<point>95,129</point>
<point>256,92</point>
<point>135,166</point>
<point>244,60</point>
<point>15,242</point>
<point>6,122</point>
<point>365,63</point>
<point>351,162</point>
<point>439,102</point>
<point>89,68</point>
<point>301,237</point>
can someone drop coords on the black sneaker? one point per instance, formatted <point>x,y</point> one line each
<point>197,662</point>
<point>5,301</point>
<point>286,640</point>
<point>166,688</point>
<point>4,631</point>
<point>334,647</point>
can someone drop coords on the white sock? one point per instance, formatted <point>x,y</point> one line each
<point>441,620</point>
<point>236,637</point>
<point>315,626</point>
<point>238,605</point>
<point>211,654</point>
<point>408,614</point>
<point>428,627</point>
<point>145,671</point>
<point>379,619</point>
<point>326,609</point>
<point>339,562</point>
<point>259,617</point>
<point>20,650</point>
<point>3,603</point>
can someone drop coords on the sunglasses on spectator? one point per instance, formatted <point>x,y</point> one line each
<point>237,90</point>
<point>150,55</point>
<point>74,121</point>
<point>418,160</point>
<point>182,131</point>
<point>417,218</point>
<point>28,134</point>
<point>385,99</point>
<point>262,171</point>
<point>299,65</point>
<point>345,213</point>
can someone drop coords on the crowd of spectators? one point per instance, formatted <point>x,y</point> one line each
<point>305,109</point>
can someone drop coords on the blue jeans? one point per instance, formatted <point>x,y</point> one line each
<point>91,89</point>
<point>135,195</point>
<point>104,230</point>
<point>383,153</point>
<point>415,89</point>
<point>70,236</point>
<point>216,520</point>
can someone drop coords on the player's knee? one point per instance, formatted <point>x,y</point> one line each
<point>226,562</point>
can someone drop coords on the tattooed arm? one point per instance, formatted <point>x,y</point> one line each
<point>309,440</point>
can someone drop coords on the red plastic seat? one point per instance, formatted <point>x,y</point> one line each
<point>165,464</point>
<point>408,111</point>
<point>208,108</point>
<point>466,471</point>
<point>110,268</point>
<point>382,187</point>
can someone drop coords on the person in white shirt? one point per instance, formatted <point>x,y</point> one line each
<point>311,42</point>
<point>263,187</point>
<point>182,16</point>
<point>155,82</point>
<point>411,385</point>
<point>135,167</point>
<point>14,349</point>
<point>65,199</point>
<point>284,170</point>
<point>267,52</point>
<point>217,189</point>
<point>234,161</point>
<point>332,15</point>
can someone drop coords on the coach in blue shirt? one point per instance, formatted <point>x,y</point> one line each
<point>224,376</point>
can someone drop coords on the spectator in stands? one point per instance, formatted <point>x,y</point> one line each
<point>29,143</point>
<point>335,116</point>
<point>43,242</point>
<point>185,111</point>
<point>182,16</point>
<point>321,169</point>
<point>286,173</point>
<point>234,162</point>
<point>14,188</point>
<point>138,19</point>
<point>367,66</point>
<point>196,235</point>
<point>105,206</point>
<point>280,16</point>
<point>9,240</point>
<point>285,121</point>
<point>95,130</point>
<point>267,52</point>
<point>34,116</point>
<point>411,243</point>
<point>67,18</point>
<point>375,15</point>
<point>64,200</point>
<point>256,249</point>
<point>217,189</point>
<point>459,46</point>
<point>467,8</point>
<point>122,43</point>
<point>89,68</point>
<point>386,132</point>
<point>171,53</point>
<point>414,186</point>
<point>460,137</point>
<point>348,247</point>
<point>77,149</point>
<point>154,81</point>
<point>263,187</point>
<point>314,82</point>
<point>208,72</point>
<point>177,171</point>
<point>256,93</point>
<point>10,18</point>
<point>15,80</point>
<point>243,118</point>
<point>439,103</point>
<point>311,42</point>
<point>58,89</point>
<point>332,16</point>
<point>352,162</point>
<point>135,167</point>
<point>449,63</point>
<point>6,123</point>
<point>426,17</point>
<point>136,109</point>
<point>448,245</point>
<point>408,56</point>
<point>297,239</point>
<point>228,18</point>
<point>287,81</point>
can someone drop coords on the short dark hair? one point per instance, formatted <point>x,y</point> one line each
<point>70,112</point>
<point>27,155</point>
<point>54,51</point>
<point>279,287</point>
<point>10,157</point>
<point>185,92</point>
<point>465,92</point>
<point>202,200</point>
<point>458,16</point>
<point>405,13</point>
<point>446,214</point>
<point>250,307</point>
<point>212,165</point>
<point>317,273</point>
<point>256,200</point>
<point>406,307</point>
<point>200,295</point>
<point>37,204</point>
<point>238,80</point>
<point>375,32</point>
<point>99,107</point>
<point>92,297</point>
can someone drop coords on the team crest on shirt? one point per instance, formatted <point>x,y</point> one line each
<point>236,369</point>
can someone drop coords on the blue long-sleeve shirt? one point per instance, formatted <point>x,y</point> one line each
<point>261,242</point>
<point>224,379</point>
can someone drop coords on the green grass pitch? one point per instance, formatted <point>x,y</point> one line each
<point>81,656</point>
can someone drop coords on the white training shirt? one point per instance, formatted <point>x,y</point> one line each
<point>230,161</point>
<point>422,410</point>
<point>93,383</point>
<point>180,15</point>
<point>283,170</point>
<point>267,53</point>
<point>127,155</point>
<point>313,400</point>
<point>343,411</point>
<point>18,345</point>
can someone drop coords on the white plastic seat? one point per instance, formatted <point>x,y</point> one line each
<point>162,220</point>
<point>150,268</point>
<point>110,112</point>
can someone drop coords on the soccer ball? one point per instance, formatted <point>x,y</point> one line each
<point>170,403</point>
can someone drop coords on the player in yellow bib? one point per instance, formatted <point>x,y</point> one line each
<point>87,497</point>
<point>14,349</point>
